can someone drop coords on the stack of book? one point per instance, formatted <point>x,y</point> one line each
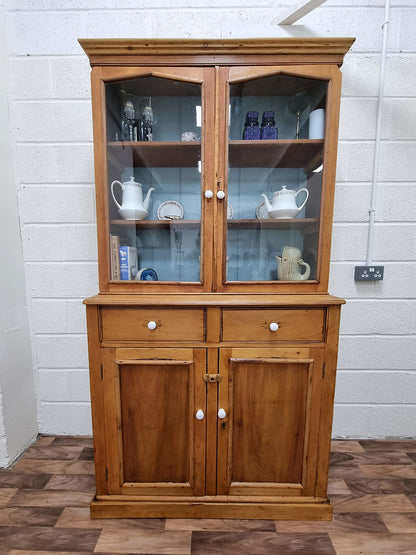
<point>124,263</point>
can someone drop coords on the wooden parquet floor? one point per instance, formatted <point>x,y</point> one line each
<point>45,496</point>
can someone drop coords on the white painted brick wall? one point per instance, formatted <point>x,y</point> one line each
<point>52,121</point>
<point>64,386</point>
<point>71,242</point>
<point>376,387</point>
<point>49,203</point>
<point>59,316</point>
<point>52,137</point>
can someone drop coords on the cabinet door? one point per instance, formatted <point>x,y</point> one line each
<point>153,133</point>
<point>267,439</point>
<point>277,164</point>
<point>155,443</point>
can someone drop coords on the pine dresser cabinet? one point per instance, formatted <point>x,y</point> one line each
<point>213,339</point>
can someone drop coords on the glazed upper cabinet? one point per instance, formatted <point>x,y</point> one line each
<point>275,186</point>
<point>215,178</point>
<point>153,181</point>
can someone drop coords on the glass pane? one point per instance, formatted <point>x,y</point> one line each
<point>276,137</point>
<point>154,179</point>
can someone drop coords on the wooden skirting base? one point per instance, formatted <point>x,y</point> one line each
<point>199,509</point>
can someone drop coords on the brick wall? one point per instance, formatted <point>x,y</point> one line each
<point>52,140</point>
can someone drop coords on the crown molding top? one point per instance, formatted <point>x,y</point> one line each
<point>111,51</point>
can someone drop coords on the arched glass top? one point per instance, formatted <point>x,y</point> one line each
<point>275,165</point>
<point>153,130</point>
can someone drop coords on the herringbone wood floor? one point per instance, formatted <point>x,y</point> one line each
<point>44,500</point>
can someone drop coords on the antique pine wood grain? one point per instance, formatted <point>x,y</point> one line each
<point>124,324</point>
<point>97,405</point>
<point>161,500</point>
<point>263,397</point>
<point>208,177</point>
<point>214,299</point>
<point>101,175</point>
<point>253,325</point>
<point>132,47</point>
<point>333,75</point>
<point>154,447</point>
<point>211,409</point>
<point>146,465</point>
<point>320,59</point>
<point>328,176</point>
<point>327,397</point>
<point>224,435</point>
<point>221,152</point>
<point>106,172</point>
<point>45,496</point>
<point>292,50</point>
<point>155,455</point>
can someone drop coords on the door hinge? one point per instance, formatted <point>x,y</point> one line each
<point>101,369</point>
<point>323,370</point>
<point>212,378</point>
<point>106,474</point>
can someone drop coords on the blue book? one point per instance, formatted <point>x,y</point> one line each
<point>128,263</point>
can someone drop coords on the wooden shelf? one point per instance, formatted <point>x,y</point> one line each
<point>231,224</point>
<point>157,224</point>
<point>299,153</point>
<point>162,154</point>
<point>272,224</point>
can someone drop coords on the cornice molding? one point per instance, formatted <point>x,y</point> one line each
<point>98,49</point>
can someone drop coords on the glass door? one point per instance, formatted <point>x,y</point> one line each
<point>154,129</point>
<point>275,165</point>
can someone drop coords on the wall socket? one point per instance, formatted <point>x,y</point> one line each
<point>369,273</point>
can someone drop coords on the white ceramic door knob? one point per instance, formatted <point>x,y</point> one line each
<point>274,326</point>
<point>152,325</point>
<point>220,195</point>
<point>200,414</point>
<point>222,414</point>
<point>209,194</point>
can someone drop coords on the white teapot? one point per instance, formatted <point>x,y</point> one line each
<point>288,266</point>
<point>284,203</point>
<point>132,207</point>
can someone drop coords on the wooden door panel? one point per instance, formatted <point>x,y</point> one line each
<point>156,445</point>
<point>155,423</point>
<point>269,418</point>
<point>269,435</point>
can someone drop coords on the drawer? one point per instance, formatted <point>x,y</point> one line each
<point>135,324</point>
<point>292,325</point>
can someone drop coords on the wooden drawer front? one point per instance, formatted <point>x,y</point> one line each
<point>254,325</point>
<point>131,324</point>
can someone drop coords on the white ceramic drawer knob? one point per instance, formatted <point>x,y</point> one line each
<point>209,194</point>
<point>200,414</point>
<point>274,326</point>
<point>220,195</point>
<point>222,414</point>
<point>151,325</point>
